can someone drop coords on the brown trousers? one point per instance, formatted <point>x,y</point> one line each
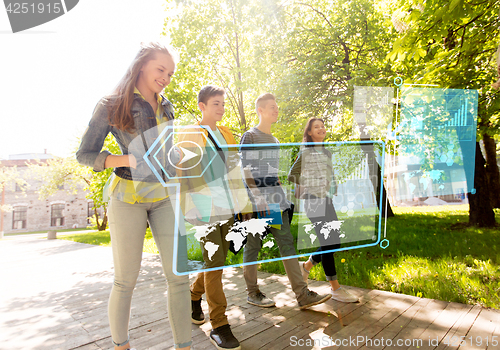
<point>210,282</point>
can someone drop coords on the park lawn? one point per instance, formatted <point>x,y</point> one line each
<point>432,254</point>
<point>45,231</point>
<point>103,238</point>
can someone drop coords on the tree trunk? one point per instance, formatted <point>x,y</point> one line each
<point>492,172</point>
<point>390,213</point>
<point>102,225</point>
<point>377,181</point>
<point>480,210</point>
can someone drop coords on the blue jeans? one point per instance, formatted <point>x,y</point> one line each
<point>127,223</point>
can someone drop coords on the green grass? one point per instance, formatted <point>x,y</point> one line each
<point>103,238</point>
<point>432,254</point>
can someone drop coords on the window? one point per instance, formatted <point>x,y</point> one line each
<point>19,218</point>
<point>57,215</point>
<point>18,188</point>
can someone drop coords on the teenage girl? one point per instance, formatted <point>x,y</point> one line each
<point>136,108</point>
<point>313,170</point>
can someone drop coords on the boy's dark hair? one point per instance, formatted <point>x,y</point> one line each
<point>209,91</point>
<point>259,102</point>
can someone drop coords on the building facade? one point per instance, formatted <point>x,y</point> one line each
<point>26,212</point>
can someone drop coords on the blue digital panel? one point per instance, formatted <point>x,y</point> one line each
<point>335,210</point>
<point>436,145</point>
<point>252,203</point>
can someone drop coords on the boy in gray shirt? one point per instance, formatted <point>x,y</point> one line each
<point>260,166</point>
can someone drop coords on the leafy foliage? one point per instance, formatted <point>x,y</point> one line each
<point>310,55</point>
<point>229,43</point>
<point>10,175</point>
<point>452,44</point>
<point>332,47</point>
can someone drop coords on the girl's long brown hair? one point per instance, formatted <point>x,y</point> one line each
<point>309,124</point>
<point>120,101</point>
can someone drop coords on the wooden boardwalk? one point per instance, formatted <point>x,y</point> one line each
<point>54,296</point>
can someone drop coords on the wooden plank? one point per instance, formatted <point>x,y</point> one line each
<point>367,324</point>
<point>324,320</point>
<point>480,334</point>
<point>285,341</point>
<point>411,335</point>
<point>400,319</point>
<point>91,346</point>
<point>456,320</point>
<point>283,320</point>
<point>372,327</point>
<point>76,300</point>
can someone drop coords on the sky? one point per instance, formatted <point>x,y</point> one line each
<point>53,75</point>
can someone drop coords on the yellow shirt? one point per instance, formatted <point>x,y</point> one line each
<point>196,185</point>
<point>130,191</point>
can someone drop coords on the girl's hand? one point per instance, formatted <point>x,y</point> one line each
<point>132,161</point>
<point>114,161</point>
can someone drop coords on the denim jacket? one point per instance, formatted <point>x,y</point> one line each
<point>136,142</point>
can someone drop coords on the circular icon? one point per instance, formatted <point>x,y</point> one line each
<point>398,81</point>
<point>384,243</point>
<point>186,154</point>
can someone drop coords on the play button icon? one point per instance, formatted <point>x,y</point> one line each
<point>190,150</point>
<point>187,155</point>
<point>179,152</point>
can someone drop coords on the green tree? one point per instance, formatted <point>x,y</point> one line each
<point>331,47</point>
<point>453,44</point>
<point>230,43</point>
<point>10,175</point>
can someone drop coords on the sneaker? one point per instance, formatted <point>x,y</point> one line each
<point>223,338</point>
<point>259,299</point>
<point>313,298</point>
<point>305,273</point>
<point>197,315</point>
<point>344,296</point>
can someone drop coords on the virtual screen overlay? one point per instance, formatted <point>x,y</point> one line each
<point>437,143</point>
<point>253,203</point>
<point>249,203</point>
<point>430,139</point>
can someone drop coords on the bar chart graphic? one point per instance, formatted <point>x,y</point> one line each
<point>436,132</point>
<point>459,118</point>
